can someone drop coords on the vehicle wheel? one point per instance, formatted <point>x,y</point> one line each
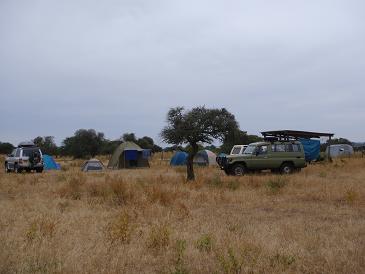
<point>39,170</point>
<point>238,170</point>
<point>286,168</point>
<point>17,169</point>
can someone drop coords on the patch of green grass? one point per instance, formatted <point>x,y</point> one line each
<point>275,184</point>
<point>179,266</point>
<point>205,243</point>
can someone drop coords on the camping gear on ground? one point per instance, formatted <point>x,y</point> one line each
<point>49,163</point>
<point>311,149</point>
<point>128,155</point>
<point>204,158</point>
<point>339,150</point>
<point>179,158</point>
<point>92,165</point>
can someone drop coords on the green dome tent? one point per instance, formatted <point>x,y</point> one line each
<point>128,155</point>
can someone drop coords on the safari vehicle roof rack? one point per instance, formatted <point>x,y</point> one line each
<point>287,135</point>
<point>26,144</point>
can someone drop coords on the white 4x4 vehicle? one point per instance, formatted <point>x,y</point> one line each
<point>26,157</point>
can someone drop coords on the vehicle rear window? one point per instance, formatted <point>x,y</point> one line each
<point>29,151</point>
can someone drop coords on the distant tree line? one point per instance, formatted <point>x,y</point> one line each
<point>85,143</point>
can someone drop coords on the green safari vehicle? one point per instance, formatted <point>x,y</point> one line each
<point>278,156</point>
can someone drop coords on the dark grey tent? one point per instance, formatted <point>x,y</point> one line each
<point>128,155</point>
<point>92,165</point>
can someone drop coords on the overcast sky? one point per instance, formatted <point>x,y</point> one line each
<point>118,66</point>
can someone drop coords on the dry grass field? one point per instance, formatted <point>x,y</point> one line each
<point>152,221</point>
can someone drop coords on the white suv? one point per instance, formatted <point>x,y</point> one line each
<point>26,157</point>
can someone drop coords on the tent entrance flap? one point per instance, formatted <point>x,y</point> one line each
<point>131,155</point>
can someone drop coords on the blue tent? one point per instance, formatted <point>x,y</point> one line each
<point>311,149</point>
<point>179,158</point>
<point>49,163</point>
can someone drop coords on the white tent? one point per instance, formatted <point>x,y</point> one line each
<point>339,150</point>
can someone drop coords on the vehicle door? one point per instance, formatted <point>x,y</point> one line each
<point>296,154</point>
<point>279,155</point>
<point>260,159</point>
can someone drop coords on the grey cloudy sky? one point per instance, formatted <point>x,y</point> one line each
<point>118,66</point>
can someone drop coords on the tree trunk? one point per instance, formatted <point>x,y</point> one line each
<point>189,164</point>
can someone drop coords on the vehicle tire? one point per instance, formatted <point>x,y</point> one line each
<point>238,170</point>
<point>39,170</point>
<point>286,168</point>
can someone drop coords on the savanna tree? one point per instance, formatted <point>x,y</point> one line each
<point>198,125</point>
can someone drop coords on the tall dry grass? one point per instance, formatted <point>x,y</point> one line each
<point>152,221</point>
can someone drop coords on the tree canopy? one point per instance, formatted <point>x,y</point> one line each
<point>85,143</point>
<point>46,144</point>
<point>6,148</point>
<point>198,125</point>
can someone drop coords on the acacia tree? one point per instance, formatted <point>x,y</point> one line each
<point>198,125</point>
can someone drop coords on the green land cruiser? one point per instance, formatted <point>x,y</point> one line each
<point>279,156</point>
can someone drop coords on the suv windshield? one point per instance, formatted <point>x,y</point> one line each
<point>27,152</point>
<point>250,149</point>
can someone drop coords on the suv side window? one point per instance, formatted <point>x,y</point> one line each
<point>289,147</point>
<point>278,148</point>
<point>296,148</point>
<point>262,150</point>
<point>17,153</point>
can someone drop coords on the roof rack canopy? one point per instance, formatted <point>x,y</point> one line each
<point>294,134</point>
